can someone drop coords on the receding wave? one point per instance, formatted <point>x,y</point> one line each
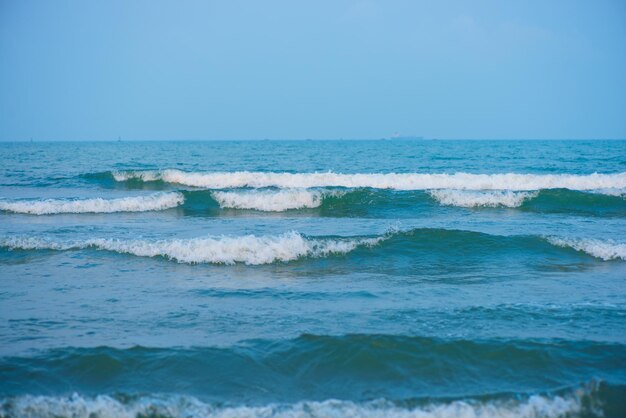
<point>248,249</point>
<point>605,250</point>
<point>156,201</point>
<point>272,200</point>
<point>397,181</point>
<point>291,246</point>
<point>181,406</point>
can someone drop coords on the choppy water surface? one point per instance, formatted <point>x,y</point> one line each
<point>317,278</point>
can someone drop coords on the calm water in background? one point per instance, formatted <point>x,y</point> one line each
<point>156,278</point>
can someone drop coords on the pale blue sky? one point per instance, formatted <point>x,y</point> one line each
<point>153,69</point>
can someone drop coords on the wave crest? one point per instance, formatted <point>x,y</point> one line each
<point>605,250</point>
<point>468,199</point>
<point>402,181</point>
<point>272,200</point>
<point>157,201</point>
<point>267,249</point>
<point>248,249</point>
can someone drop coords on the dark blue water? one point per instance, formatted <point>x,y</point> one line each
<point>317,278</point>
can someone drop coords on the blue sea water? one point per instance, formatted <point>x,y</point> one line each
<point>313,278</point>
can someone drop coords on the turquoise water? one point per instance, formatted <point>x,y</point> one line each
<point>313,278</point>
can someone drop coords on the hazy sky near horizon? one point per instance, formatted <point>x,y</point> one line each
<point>153,69</point>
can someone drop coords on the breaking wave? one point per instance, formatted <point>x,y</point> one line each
<point>291,246</point>
<point>351,202</point>
<point>156,201</point>
<point>248,249</point>
<point>272,201</point>
<point>468,199</point>
<point>606,250</point>
<point>333,201</point>
<point>518,378</point>
<point>174,406</point>
<point>403,181</point>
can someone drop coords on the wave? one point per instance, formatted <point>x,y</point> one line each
<point>468,199</point>
<point>291,246</point>
<point>368,202</point>
<point>156,201</point>
<point>591,202</point>
<point>332,202</point>
<point>175,406</point>
<point>605,250</point>
<point>395,181</point>
<point>272,201</point>
<point>516,375</point>
<point>330,194</point>
<point>347,202</point>
<point>249,249</point>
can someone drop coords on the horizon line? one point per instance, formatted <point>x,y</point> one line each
<point>402,139</point>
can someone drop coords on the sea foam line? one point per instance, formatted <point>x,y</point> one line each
<point>405,181</point>
<point>156,201</point>
<point>467,198</point>
<point>273,200</point>
<point>101,406</point>
<point>248,249</point>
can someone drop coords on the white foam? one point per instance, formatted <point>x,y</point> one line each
<point>265,249</point>
<point>156,201</point>
<point>612,192</point>
<point>272,200</point>
<point>104,406</point>
<point>34,243</point>
<point>248,249</point>
<point>136,175</point>
<point>468,199</point>
<point>605,250</point>
<point>405,181</point>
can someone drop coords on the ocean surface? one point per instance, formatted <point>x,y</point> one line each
<point>313,279</point>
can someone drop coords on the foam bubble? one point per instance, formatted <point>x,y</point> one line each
<point>156,201</point>
<point>272,200</point>
<point>248,249</point>
<point>105,406</point>
<point>404,181</point>
<point>605,250</point>
<point>468,199</point>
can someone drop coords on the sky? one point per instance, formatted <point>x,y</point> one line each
<point>155,69</point>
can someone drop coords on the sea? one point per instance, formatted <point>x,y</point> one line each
<point>381,278</point>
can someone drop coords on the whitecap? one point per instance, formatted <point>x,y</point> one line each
<point>272,200</point>
<point>467,199</point>
<point>397,181</point>
<point>605,250</point>
<point>156,201</point>
<point>247,249</point>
